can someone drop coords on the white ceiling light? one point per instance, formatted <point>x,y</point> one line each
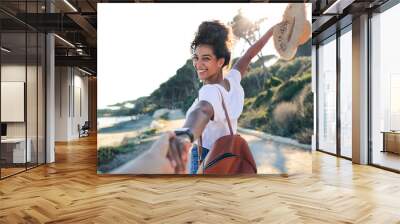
<point>5,50</point>
<point>86,72</point>
<point>65,41</point>
<point>70,5</point>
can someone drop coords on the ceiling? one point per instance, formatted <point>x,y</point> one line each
<point>76,22</point>
<point>330,15</point>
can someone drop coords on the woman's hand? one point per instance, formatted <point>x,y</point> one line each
<point>167,155</point>
<point>178,153</point>
<point>172,152</point>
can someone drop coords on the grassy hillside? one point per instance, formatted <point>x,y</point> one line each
<point>283,105</point>
<point>177,92</point>
<point>278,98</point>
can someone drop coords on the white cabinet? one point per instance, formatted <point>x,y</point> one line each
<point>18,149</point>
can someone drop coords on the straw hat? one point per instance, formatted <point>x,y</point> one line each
<point>292,31</point>
<point>306,33</point>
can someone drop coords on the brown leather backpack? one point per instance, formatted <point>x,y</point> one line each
<point>229,155</point>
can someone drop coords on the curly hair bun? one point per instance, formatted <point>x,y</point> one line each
<point>218,36</point>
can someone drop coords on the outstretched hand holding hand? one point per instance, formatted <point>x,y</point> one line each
<point>168,155</point>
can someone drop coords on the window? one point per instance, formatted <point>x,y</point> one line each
<point>346,75</point>
<point>327,96</point>
<point>385,89</point>
<point>23,79</point>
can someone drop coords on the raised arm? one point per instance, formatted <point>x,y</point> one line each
<point>244,61</point>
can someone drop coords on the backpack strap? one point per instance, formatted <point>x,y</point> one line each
<point>200,146</point>
<point>226,113</point>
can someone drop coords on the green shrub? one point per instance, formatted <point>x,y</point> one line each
<point>289,69</point>
<point>261,61</point>
<point>253,83</point>
<point>188,102</point>
<point>256,71</point>
<point>128,145</point>
<point>273,69</point>
<point>291,88</point>
<point>165,116</point>
<point>304,136</point>
<point>125,148</point>
<point>253,118</point>
<point>272,82</point>
<point>308,110</point>
<point>286,119</point>
<point>263,98</point>
<point>248,103</point>
<point>150,108</point>
<point>105,155</point>
<point>149,132</point>
<point>288,90</point>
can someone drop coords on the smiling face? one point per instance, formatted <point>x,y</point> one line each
<point>207,65</point>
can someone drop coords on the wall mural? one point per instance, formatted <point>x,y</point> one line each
<point>223,89</point>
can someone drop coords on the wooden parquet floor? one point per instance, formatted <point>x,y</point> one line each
<point>70,191</point>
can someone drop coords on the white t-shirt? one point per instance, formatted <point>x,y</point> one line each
<point>234,100</point>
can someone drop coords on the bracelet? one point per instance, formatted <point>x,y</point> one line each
<point>185,131</point>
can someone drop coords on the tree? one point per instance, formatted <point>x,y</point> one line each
<point>243,28</point>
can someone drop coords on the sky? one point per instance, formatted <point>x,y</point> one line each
<point>142,45</point>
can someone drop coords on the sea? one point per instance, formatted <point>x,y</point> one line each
<point>104,122</point>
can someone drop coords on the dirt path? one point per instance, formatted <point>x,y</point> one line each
<point>271,157</point>
<point>276,158</point>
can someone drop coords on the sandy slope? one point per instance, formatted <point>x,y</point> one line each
<point>129,129</point>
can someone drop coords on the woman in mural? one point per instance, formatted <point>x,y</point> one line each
<point>207,119</point>
<point>211,53</point>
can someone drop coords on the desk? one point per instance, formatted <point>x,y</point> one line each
<point>391,141</point>
<point>15,148</point>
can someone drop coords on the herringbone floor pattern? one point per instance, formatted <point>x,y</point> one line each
<point>70,191</point>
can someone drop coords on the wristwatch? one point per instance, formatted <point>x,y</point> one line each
<point>185,131</point>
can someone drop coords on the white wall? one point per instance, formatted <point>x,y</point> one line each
<point>62,81</point>
<point>33,126</point>
<point>81,101</point>
<point>16,73</point>
<point>71,94</point>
